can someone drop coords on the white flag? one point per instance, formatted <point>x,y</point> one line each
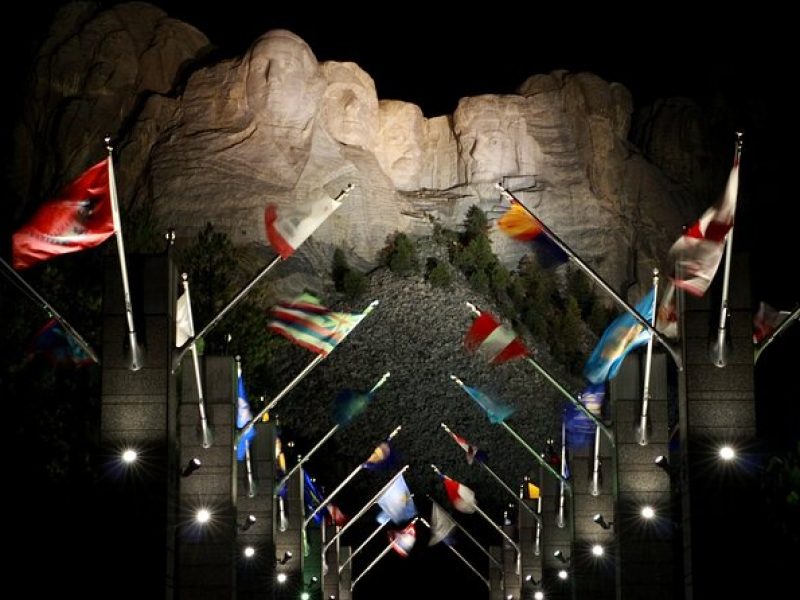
<point>442,524</point>
<point>183,320</point>
<point>288,228</point>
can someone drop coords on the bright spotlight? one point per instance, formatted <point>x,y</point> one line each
<point>305,596</point>
<point>727,453</point>
<point>538,595</point>
<point>282,577</point>
<point>562,574</point>
<point>203,515</point>
<point>191,467</point>
<point>648,512</point>
<point>249,552</point>
<point>597,550</point>
<point>129,455</point>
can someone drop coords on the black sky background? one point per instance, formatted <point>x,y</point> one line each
<point>739,67</point>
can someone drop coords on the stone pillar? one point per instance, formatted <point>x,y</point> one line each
<point>511,572</point>
<point>716,407</point>
<point>496,574</point>
<point>345,577</point>
<point>138,411</point>
<point>644,548</point>
<point>330,568</point>
<point>553,537</point>
<point>255,575</point>
<point>290,540</point>
<point>206,554</point>
<point>530,563</point>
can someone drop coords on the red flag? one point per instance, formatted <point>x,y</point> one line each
<point>766,321</point>
<point>461,496</point>
<point>698,251</point>
<point>495,342</point>
<point>78,219</point>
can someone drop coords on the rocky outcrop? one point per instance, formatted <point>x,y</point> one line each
<point>276,126</point>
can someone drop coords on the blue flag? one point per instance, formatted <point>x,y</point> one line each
<point>383,457</point>
<point>243,417</point>
<point>58,346</point>
<point>623,335</point>
<point>397,503</point>
<point>580,428</point>
<point>349,404</point>
<point>496,412</point>
<point>312,497</point>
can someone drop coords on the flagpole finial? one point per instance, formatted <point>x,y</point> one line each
<point>473,309</point>
<point>184,276</point>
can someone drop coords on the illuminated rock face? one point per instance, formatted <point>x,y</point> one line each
<point>217,142</point>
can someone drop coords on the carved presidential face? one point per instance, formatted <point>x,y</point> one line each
<point>283,80</point>
<point>493,140</point>
<point>400,143</point>
<point>350,105</point>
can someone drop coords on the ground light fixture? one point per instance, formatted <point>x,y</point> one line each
<point>598,518</point>
<point>597,550</point>
<point>129,456</point>
<point>192,466</point>
<point>249,552</point>
<point>648,512</point>
<point>203,516</point>
<point>662,462</point>
<point>727,453</point>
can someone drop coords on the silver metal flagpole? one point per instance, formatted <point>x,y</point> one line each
<point>597,279</point>
<point>302,374</point>
<point>497,563</point>
<point>718,351</point>
<point>344,482</point>
<point>325,438</point>
<point>537,541</point>
<point>594,490</point>
<point>647,366</point>
<point>383,553</point>
<point>502,483</point>
<point>201,403</point>
<point>239,296</point>
<point>560,520</point>
<point>375,532</point>
<point>28,290</point>
<point>555,383</point>
<point>366,507</point>
<point>458,554</point>
<point>136,353</point>
<point>768,340</point>
<point>484,515</point>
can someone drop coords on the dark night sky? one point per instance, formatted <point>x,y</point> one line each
<point>433,59</point>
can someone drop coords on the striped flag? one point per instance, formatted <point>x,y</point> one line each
<point>473,452</point>
<point>309,324</point>
<point>461,496</point>
<point>403,541</point>
<point>493,341</point>
<point>288,228</point>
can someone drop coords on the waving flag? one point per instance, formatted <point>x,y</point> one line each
<point>461,496</point>
<point>496,412</point>
<point>183,320</point>
<point>309,324</point>
<point>623,335</point>
<point>312,497</point>
<point>396,502</point>
<point>473,452</point>
<point>243,417</point>
<point>532,491</point>
<point>58,346</point>
<point>336,516</point>
<point>381,458</point>
<point>442,525</point>
<point>667,315</point>
<point>348,404</point>
<point>78,219</point>
<point>403,541</point>
<point>580,428</point>
<point>494,342</point>
<point>698,252</point>
<point>288,228</point>
<point>521,225</point>
<point>766,321</point>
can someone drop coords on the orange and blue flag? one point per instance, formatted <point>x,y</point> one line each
<point>623,335</point>
<point>520,224</point>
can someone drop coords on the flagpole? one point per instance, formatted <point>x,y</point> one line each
<point>768,340</point>
<point>377,558</point>
<point>366,507</point>
<point>472,539</point>
<point>537,541</point>
<point>499,481</point>
<point>239,296</point>
<point>597,279</point>
<point>251,484</point>
<point>647,366</point>
<point>560,521</point>
<point>458,554</point>
<point>201,403</point>
<point>326,437</point>
<point>28,290</point>
<point>719,358</point>
<point>376,531</point>
<point>554,382</point>
<point>344,482</point>
<point>302,374</point>
<point>483,514</point>
<point>136,353</point>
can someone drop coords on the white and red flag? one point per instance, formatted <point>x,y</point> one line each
<point>290,226</point>
<point>462,498</point>
<point>493,341</point>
